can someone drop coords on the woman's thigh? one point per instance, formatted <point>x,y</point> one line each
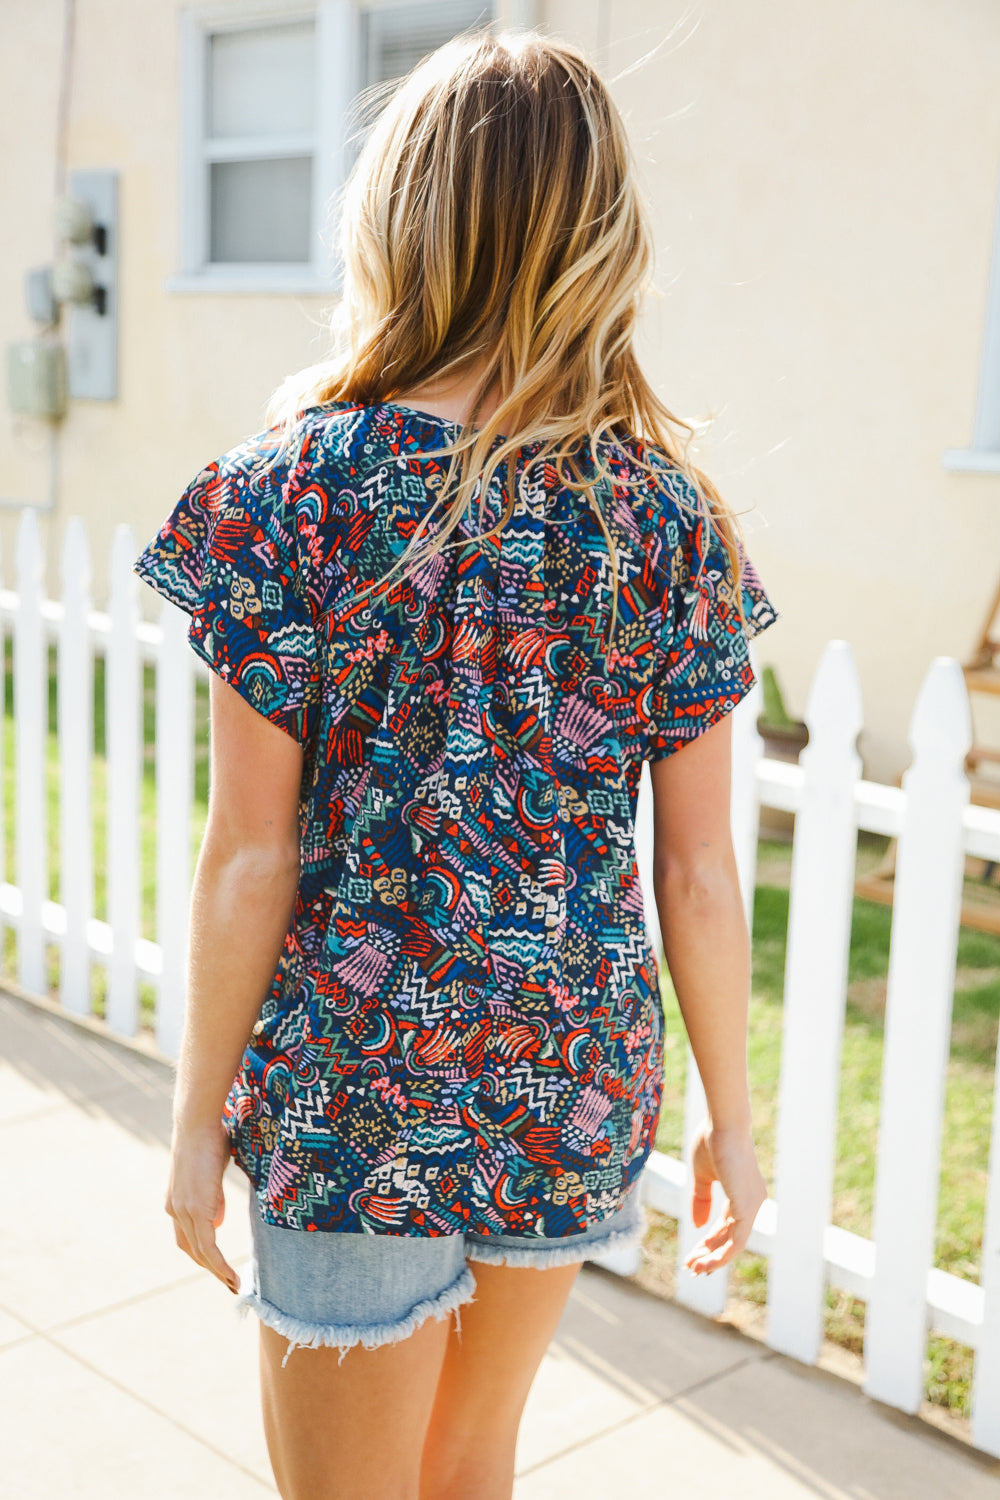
<point>522,1285</point>
<point>485,1379</point>
<point>353,1334</point>
<point>350,1426</point>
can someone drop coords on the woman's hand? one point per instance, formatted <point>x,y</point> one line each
<point>195,1198</point>
<point>727,1155</point>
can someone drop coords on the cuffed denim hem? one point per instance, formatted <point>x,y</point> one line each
<point>344,1336</point>
<point>345,1289</point>
<point>591,1246</point>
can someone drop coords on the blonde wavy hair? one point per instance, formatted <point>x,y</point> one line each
<point>493,214</point>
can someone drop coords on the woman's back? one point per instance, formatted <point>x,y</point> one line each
<point>464,1031</point>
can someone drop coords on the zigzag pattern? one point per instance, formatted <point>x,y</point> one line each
<point>464,1029</point>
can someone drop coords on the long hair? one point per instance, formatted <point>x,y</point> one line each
<point>493,214</point>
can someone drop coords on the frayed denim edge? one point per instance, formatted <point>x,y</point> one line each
<point>560,1255</point>
<point>306,1335</point>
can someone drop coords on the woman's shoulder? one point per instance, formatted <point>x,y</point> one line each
<point>664,494</point>
<point>286,440</point>
<point>260,468</point>
<point>339,442</point>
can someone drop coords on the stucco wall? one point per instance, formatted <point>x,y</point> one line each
<point>823,182</point>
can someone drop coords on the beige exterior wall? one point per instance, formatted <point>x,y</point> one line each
<point>823,181</point>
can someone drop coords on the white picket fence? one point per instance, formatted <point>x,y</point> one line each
<point>125,643</point>
<point>930,815</point>
<point>906,1296</point>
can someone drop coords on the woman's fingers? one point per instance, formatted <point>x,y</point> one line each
<point>212,1256</point>
<point>708,1263</point>
<point>721,1232</point>
<point>717,1247</point>
<point>195,1198</point>
<point>721,1245</point>
<point>714,1248</point>
<point>196,1237</point>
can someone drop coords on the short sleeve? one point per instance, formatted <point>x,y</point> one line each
<point>705,668</point>
<point>229,554</point>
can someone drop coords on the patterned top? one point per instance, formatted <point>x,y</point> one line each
<point>464,1032</point>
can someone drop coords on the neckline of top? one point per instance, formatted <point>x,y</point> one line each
<point>430,416</point>
<point>424,416</point>
<point>416,411</point>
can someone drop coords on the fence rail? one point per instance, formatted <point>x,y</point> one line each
<point>906,1295</point>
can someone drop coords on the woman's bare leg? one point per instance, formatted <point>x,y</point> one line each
<point>351,1430</point>
<point>485,1379</point>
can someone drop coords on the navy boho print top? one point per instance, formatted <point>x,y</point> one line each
<point>464,1032</point>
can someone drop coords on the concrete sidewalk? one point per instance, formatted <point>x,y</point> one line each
<point>126,1374</point>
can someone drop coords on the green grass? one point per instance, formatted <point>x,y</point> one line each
<point>969,1086</point>
<point>967,1114</point>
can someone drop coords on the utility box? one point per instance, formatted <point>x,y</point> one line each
<point>36,378</point>
<point>93,327</point>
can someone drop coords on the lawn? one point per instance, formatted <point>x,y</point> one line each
<point>969,1094</point>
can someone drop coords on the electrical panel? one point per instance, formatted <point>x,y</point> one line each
<point>93,323</point>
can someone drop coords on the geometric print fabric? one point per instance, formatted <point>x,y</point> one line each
<point>464,1031</point>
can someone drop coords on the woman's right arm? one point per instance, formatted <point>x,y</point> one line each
<point>707,949</point>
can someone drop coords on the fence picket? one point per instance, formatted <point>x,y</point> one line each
<point>926,912</point>
<point>174,802</point>
<point>820,904</point>
<point>76,750</point>
<point>124,746</point>
<point>31,742</point>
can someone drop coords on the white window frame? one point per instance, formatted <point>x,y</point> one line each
<point>337,61</point>
<point>339,66</point>
<point>983,455</point>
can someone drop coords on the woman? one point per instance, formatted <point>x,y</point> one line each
<point>455,595</point>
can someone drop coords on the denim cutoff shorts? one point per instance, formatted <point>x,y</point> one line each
<point>372,1289</point>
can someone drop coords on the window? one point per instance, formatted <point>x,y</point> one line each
<point>260,144</point>
<point>983,456</point>
<point>396,37</point>
<point>265,103</point>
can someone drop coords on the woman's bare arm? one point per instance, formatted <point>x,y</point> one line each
<point>707,949</point>
<point>700,908</point>
<point>242,903</point>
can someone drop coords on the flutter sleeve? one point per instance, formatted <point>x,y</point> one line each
<point>230,555</point>
<point>705,669</point>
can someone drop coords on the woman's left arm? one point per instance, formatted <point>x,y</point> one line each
<point>241,907</point>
